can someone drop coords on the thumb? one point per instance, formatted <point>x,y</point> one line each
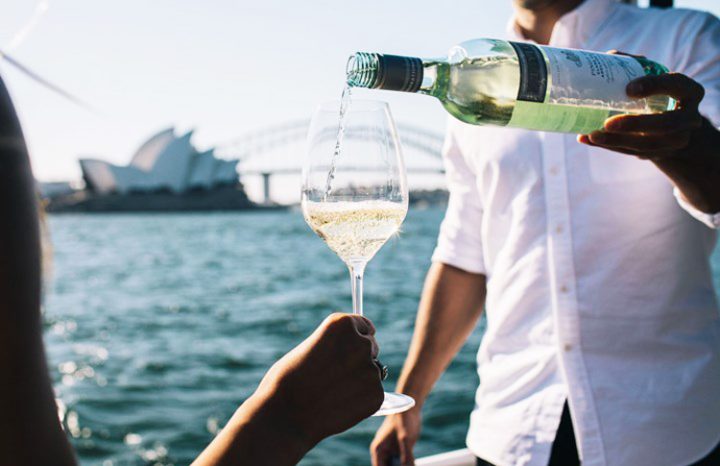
<point>618,52</point>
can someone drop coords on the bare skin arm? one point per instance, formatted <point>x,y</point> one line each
<point>324,386</point>
<point>451,304</point>
<point>30,432</point>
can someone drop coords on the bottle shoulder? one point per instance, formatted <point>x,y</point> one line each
<point>475,48</point>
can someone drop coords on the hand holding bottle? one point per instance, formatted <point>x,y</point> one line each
<point>682,143</point>
<point>659,135</point>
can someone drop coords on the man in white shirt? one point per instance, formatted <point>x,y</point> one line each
<point>590,255</point>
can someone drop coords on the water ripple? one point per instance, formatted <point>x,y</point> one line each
<point>158,326</point>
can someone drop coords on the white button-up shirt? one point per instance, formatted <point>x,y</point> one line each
<point>599,287</point>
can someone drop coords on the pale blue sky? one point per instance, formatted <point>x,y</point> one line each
<point>223,67</point>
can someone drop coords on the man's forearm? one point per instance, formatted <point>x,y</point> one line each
<point>451,304</point>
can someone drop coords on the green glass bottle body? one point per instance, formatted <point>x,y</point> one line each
<point>497,82</point>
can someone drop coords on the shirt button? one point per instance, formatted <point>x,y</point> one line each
<point>567,347</point>
<point>554,170</point>
<point>559,229</point>
<point>563,289</point>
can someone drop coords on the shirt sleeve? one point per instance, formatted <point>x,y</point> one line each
<point>711,220</point>
<point>460,240</point>
<point>701,61</point>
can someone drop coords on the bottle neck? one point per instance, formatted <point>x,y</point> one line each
<point>390,72</point>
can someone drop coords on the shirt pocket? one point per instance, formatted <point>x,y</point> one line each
<point>613,167</point>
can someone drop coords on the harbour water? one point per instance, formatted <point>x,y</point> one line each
<point>158,326</point>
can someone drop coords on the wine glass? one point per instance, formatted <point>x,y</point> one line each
<point>354,193</point>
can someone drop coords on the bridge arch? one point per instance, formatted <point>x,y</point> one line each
<point>250,147</point>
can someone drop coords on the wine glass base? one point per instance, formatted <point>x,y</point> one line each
<point>395,403</point>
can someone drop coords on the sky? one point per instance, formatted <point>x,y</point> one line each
<point>220,67</point>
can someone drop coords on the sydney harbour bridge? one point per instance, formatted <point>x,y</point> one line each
<point>279,150</point>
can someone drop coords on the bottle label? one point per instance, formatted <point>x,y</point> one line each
<point>592,79</point>
<point>533,72</point>
<point>577,77</point>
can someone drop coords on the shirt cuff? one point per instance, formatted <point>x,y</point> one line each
<point>448,255</point>
<point>711,220</point>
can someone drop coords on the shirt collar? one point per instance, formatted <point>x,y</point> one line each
<point>575,27</point>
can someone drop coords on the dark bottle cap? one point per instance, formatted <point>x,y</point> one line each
<point>396,73</point>
<point>389,72</point>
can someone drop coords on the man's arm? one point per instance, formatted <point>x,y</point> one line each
<point>451,304</point>
<point>450,307</point>
<point>30,432</point>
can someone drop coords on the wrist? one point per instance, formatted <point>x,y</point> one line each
<point>415,391</point>
<point>695,171</point>
<point>268,422</point>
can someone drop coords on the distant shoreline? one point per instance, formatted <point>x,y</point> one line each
<point>221,199</point>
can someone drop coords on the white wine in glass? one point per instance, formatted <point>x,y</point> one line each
<point>354,193</point>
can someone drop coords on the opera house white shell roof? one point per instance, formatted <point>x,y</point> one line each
<point>164,162</point>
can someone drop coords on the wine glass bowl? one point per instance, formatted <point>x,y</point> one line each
<point>354,191</point>
<point>369,146</point>
<point>354,197</point>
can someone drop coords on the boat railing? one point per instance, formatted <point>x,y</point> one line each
<point>453,458</point>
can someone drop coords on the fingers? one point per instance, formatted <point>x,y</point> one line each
<point>678,86</point>
<point>678,120</point>
<point>585,139</point>
<point>363,325</point>
<point>375,348</point>
<point>643,145</point>
<point>346,325</point>
<point>388,453</point>
<point>654,136</point>
<point>406,451</point>
<point>360,324</point>
<point>382,455</point>
<point>641,142</point>
<point>366,329</point>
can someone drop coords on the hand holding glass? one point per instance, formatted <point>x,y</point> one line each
<point>359,204</point>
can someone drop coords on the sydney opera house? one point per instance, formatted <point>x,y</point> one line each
<point>165,162</point>
<point>165,174</point>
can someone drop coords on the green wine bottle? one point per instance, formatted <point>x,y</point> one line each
<point>523,85</point>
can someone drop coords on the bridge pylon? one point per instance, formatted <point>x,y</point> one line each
<point>267,200</point>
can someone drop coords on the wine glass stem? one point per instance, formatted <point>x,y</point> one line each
<point>356,280</point>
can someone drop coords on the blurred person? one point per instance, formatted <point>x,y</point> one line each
<point>603,333</point>
<point>327,384</point>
